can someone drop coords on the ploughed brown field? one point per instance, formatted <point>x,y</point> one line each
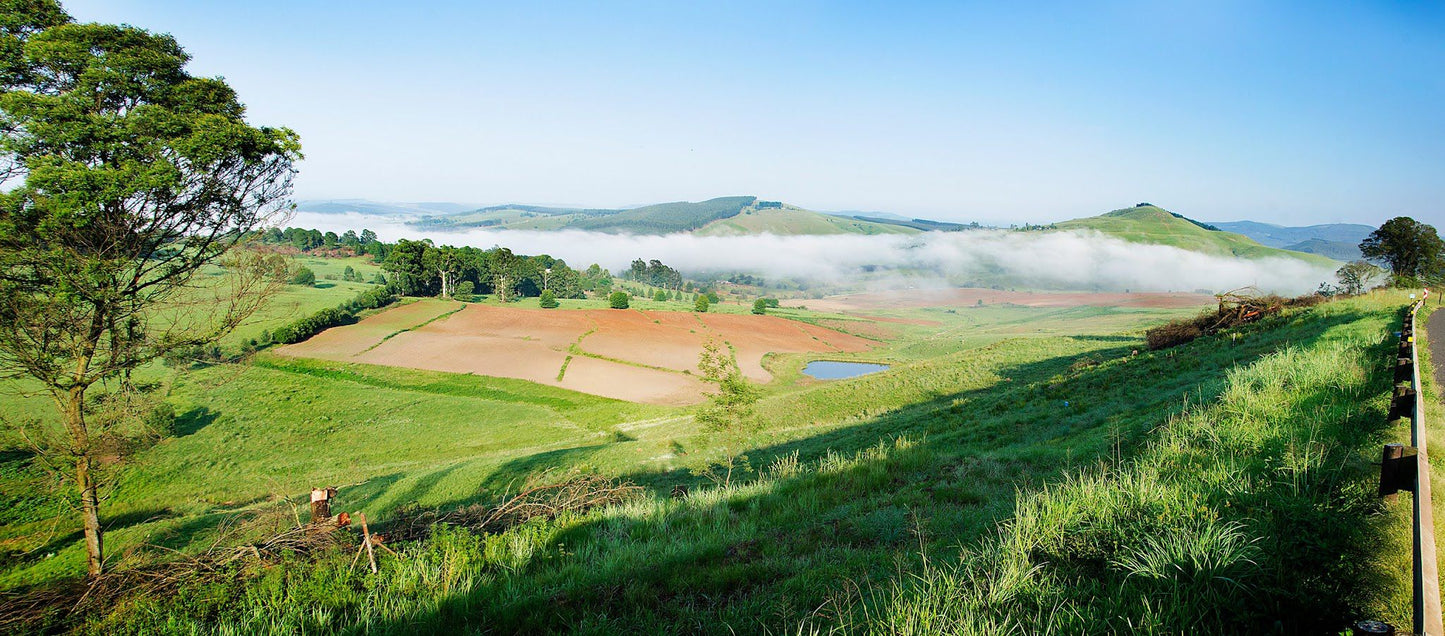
<point>641,356</point>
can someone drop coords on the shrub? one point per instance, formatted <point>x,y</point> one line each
<point>548,300</point>
<point>771,303</point>
<point>760,306</point>
<point>465,290</point>
<point>618,300</point>
<point>700,305</point>
<point>303,276</point>
<point>326,318</point>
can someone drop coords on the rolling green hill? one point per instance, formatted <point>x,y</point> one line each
<point>723,216</point>
<point>1155,225</point>
<point>790,220</point>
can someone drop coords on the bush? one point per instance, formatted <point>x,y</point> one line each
<point>548,300</point>
<point>303,276</point>
<point>771,303</point>
<point>618,300</point>
<point>326,318</point>
<point>700,305</point>
<point>760,306</point>
<point>465,290</point>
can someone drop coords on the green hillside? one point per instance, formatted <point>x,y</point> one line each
<point>1155,225</point>
<point>789,220</point>
<point>667,218</point>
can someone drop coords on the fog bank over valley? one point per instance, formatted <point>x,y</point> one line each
<point>1054,259</point>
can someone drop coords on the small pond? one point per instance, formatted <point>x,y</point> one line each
<point>834,370</point>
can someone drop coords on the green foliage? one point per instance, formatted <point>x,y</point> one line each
<point>344,314</point>
<point>1411,249</point>
<point>701,304</point>
<point>548,300</point>
<point>303,276</point>
<point>465,290</point>
<point>618,300</point>
<point>1356,277</point>
<point>760,306</point>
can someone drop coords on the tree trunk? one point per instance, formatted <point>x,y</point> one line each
<point>90,513</point>
<point>84,480</point>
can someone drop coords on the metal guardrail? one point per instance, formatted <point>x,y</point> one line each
<point>1402,471</point>
<point>1427,575</point>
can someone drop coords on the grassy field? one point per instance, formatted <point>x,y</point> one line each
<point>1016,470</point>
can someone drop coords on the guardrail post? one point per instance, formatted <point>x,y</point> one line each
<point>1397,471</point>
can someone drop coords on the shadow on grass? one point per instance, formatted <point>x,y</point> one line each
<point>765,558</point>
<point>193,420</point>
<point>771,556</point>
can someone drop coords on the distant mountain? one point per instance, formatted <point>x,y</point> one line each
<point>724,216</point>
<point>343,206</point>
<point>1338,250</point>
<point>1152,224</point>
<point>1282,236</point>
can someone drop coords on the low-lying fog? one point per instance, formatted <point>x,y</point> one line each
<point>1058,260</point>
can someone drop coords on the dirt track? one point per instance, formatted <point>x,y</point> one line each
<point>642,356</point>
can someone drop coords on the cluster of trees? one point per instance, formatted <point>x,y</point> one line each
<point>1412,250</point>
<point>654,273</point>
<point>307,240</point>
<point>420,268</point>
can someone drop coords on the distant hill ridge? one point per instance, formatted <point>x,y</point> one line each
<point>1147,223</point>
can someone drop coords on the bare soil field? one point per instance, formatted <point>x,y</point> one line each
<point>855,303</point>
<point>641,356</point>
<point>338,344</point>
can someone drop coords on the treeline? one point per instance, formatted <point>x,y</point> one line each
<point>420,268</point>
<point>654,273</point>
<point>342,314</point>
<point>308,240</point>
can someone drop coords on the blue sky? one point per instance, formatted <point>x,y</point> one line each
<point>1286,112</point>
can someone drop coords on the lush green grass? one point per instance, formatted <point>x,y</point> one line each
<point>1038,484</point>
<point>1150,224</point>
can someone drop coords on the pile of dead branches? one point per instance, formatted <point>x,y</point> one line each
<point>1238,307</point>
<point>56,606</point>
<point>540,496</point>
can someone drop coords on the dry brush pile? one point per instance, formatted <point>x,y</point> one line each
<point>159,571</point>
<point>1235,308</point>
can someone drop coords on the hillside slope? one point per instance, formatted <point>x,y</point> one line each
<point>1155,225</point>
<point>790,220</point>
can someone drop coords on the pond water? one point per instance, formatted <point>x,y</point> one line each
<point>834,370</point>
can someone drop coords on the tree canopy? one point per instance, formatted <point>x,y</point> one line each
<point>1411,249</point>
<point>123,177</point>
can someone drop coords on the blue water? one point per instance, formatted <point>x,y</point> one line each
<point>834,370</point>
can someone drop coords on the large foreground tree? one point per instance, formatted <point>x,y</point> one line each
<point>1412,250</point>
<point>123,177</point>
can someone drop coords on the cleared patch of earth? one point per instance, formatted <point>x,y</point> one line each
<point>641,356</point>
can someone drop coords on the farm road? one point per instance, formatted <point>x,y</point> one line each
<point>1435,328</point>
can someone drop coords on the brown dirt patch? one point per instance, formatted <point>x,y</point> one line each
<point>336,344</point>
<point>647,351</point>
